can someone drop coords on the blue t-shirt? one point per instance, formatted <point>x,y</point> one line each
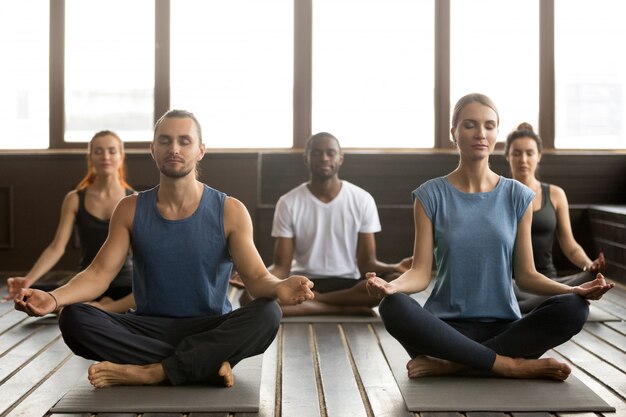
<point>181,267</point>
<point>474,238</point>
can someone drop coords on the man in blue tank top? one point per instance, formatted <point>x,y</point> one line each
<point>185,238</point>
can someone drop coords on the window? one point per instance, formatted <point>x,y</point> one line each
<point>24,28</point>
<point>232,66</point>
<point>590,77</point>
<point>494,50</point>
<point>109,69</point>
<point>373,78</point>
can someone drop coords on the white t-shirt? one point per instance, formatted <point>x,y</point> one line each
<point>325,234</point>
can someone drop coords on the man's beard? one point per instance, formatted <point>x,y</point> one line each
<point>173,173</point>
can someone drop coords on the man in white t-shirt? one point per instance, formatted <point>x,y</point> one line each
<point>324,230</point>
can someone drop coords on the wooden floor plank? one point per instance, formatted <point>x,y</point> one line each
<point>608,334</point>
<point>485,414</point>
<point>611,307</point>
<point>299,388</point>
<point>47,394</point>
<point>25,351</point>
<point>383,394</point>
<point>32,374</point>
<point>515,414</point>
<point>602,349</point>
<point>594,366</point>
<point>10,319</point>
<point>341,392</point>
<point>17,334</point>
<point>619,326</point>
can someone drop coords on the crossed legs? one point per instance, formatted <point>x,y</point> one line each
<point>510,349</point>
<point>139,350</point>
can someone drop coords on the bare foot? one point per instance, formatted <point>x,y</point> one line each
<point>424,365</point>
<point>547,368</point>
<point>224,376</point>
<point>315,307</point>
<point>106,374</point>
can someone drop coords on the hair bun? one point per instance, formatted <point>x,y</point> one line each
<point>525,126</point>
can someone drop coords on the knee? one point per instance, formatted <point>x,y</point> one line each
<point>71,322</point>
<point>392,310</point>
<point>267,312</point>
<point>572,311</point>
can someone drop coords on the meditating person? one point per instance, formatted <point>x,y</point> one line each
<point>185,238</point>
<point>89,208</point>
<point>477,224</point>
<point>550,216</point>
<point>324,230</point>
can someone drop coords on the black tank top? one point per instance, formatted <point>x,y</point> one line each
<point>92,233</point>
<point>542,230</point>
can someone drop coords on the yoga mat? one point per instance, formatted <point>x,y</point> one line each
<point>466,393</point>
<point>333,318</point>
<point>243,397</point>
<point>597,314</point>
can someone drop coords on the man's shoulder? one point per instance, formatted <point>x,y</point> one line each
<point>295,192</point>
<point>355,190</point>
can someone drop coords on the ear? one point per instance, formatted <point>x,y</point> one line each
<point>341,158</point>
<point>202,151</point>
<point>538,157</point>
<point>453,133</point>
<point>152,151</point>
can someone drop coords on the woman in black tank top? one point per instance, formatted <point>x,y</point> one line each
<point>89,208</point>
<point>550,217</point>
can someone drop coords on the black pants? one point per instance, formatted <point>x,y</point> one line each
<point>191,350</point>
<point>475,344</point>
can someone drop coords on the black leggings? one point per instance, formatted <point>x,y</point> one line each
<point>191,350</point>
<point>475,344</point>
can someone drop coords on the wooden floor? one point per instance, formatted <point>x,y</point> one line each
<point>322,369</point>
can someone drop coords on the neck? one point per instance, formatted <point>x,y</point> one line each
<point>327,189</point>
<point>528,180</point>
<point>474,177</point>
<point>176,191</point>
<point>106,183</point>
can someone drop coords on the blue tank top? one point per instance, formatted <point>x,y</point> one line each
<point>474,238</point>
<point>181,267</point>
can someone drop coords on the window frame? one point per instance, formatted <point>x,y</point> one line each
<point>302,70</point>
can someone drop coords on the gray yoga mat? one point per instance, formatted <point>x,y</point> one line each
<point>334,318</point>
<point>457,393</point>
<point>597,314</point>
<point>243,397</point>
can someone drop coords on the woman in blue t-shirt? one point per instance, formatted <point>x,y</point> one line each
<point>550,217</point>
<point>477,224</point>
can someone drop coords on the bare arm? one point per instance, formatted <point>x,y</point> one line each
<point>529,279</point>
<point>258,280</point>
<point>526,276</point>
<point>53,252</point>
<point>95,279</point>
<point>368,262</point>
<point>418,277</point>
<point>283,255</point>
<point>571,249</point>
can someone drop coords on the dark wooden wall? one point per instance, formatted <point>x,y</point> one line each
<point>32,188</point>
